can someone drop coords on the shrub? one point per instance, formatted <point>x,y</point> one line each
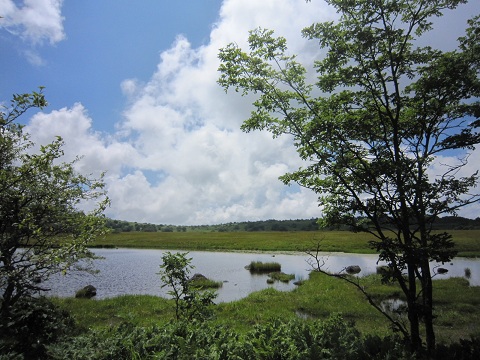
<point>464,350</point>
<point>33,324</point>
<point>190,301</point>
<point>333,338</point>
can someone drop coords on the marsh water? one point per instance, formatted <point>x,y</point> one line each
<point>135,271</point>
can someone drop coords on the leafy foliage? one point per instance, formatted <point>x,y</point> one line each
<point>333,338</point>
<point>381,113</point>
<point>42,231</point>
<point>33,324</point>
<point>191,301</point>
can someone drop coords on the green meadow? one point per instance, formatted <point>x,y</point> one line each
<point>467,242</point>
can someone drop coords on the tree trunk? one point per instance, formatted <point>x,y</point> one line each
<point>427,296</point>
<point>6,303</point>
<point>413,311</point>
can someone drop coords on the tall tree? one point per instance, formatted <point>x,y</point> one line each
<point>382,112</point>
<point>42,231</point>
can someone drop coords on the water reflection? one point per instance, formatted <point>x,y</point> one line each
<point>134,271</point>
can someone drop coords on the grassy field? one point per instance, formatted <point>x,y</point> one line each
<point>467,241</point>
<point>457,307</point>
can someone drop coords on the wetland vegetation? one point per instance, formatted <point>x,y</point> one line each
<point>457,305</point>
<point>467,242</point>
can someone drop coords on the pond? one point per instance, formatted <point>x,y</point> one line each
<point>134,271</point>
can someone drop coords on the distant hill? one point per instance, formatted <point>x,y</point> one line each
<point>444,223</point>
<point>457,223</point>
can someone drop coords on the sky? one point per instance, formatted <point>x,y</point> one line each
<point>131,86</point>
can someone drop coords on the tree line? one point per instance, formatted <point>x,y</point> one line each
<point>118,226</point>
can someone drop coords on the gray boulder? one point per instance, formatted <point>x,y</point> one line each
<point>197,277</point>
<point>87,292</point>
<point>353,269</point>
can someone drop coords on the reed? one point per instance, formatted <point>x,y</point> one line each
<point>206,284</point>
<point>261,267</point>
<point>281,276</point>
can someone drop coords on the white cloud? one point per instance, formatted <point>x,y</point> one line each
<point>443,164</point>
<point>99,152</point>
<point>35,22</point>
<point>34,58</point>
<point>178,157</point>
<point>129,87</point>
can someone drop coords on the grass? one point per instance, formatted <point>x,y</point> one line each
<point>467,241</point>
<point>206,284</point>
<point>457,307</point>
<point>457,304</point>
<point>141,310</point>
<point>245,241</point>
<point>258,267</point>
<point>280,276</point>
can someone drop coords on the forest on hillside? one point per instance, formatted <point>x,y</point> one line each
<point>444,223</point>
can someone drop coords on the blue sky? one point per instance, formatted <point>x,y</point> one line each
<point>131,86</point>
<point>105,42</point>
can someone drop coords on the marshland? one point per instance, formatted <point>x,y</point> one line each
<point>456,301</point>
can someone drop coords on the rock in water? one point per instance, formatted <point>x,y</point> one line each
<point>353,269</point>
<point>87,292</point>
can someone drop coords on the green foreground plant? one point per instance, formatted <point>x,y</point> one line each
<point>333,338</point>
<point>191,300</point>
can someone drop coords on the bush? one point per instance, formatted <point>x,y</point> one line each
<point>463,350</point>
<point>190,301</point>
<point>33,324</point>
<point>333,338</point>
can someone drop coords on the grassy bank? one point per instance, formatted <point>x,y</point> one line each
<point>457,307</point>
<point>467,241</point>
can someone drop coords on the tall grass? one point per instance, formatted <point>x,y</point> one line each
<point>466,241</point>
<point>204,283</point>
<point>261,267</point>
<point>281,276</point>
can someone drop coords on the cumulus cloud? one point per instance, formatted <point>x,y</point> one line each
<point>35,22</point>
<point>99,152</point>
<point>178,156</point>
